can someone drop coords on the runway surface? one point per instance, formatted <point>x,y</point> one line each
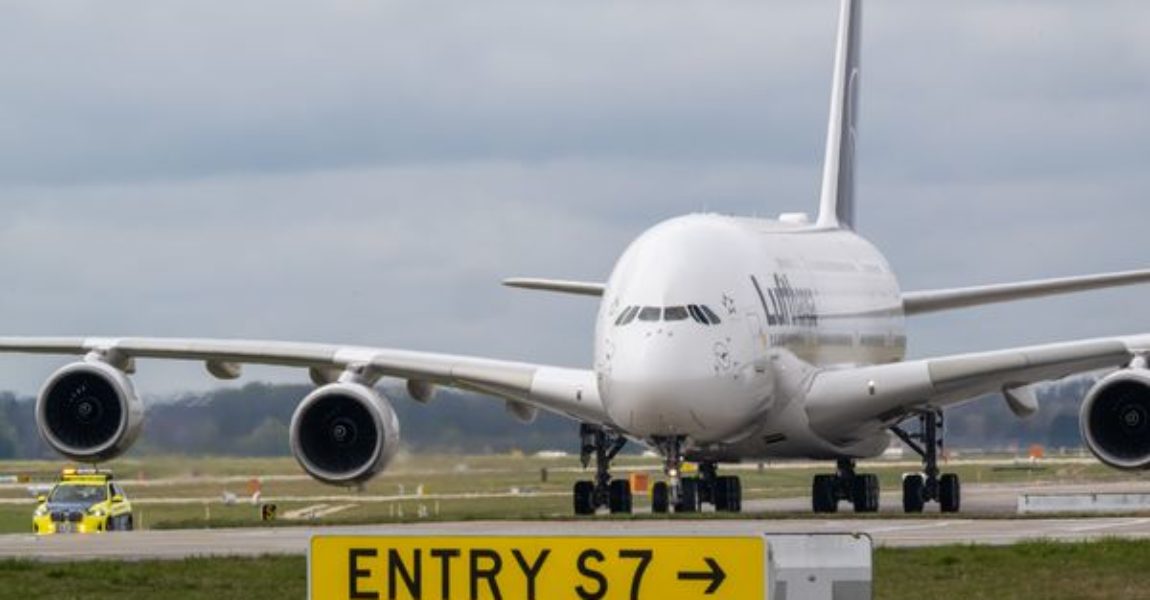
<point>988,521</point>
<point>287,541</point>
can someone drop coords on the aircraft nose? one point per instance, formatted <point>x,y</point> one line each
<point>683,385</point>
<point>657,388</point>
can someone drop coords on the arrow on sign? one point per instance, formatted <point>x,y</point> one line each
<point>716,576</point>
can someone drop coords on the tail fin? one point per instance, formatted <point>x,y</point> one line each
<point>837,207</point>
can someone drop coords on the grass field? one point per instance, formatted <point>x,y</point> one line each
<point>179,492</point>
<point>1109,570</point>
<point>1041,571</point>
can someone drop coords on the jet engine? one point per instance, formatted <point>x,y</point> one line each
<point>1115,420</point>
<point>89,412</point>
<point>344,433</point>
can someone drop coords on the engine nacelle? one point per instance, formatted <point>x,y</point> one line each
<point>1115,420</point>
<point>344,433</point>
<point>89,412</point>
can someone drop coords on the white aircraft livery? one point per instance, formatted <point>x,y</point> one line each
<point>719,340</point>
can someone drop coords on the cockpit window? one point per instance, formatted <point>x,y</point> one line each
<point>700,313</point>
<point>650,313</point>
<point>711,316</point>
<point>628,315</point>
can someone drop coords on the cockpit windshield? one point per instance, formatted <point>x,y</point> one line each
<point>700,313</point>
<point>650,314</point>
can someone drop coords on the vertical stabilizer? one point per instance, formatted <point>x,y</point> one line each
<point>837,207</point>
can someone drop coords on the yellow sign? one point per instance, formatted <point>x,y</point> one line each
<point>536,568</point>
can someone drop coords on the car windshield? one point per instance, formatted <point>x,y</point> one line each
<point>79,494</point>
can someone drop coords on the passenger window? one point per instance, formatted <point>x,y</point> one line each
<point>650,313</point>
<point>676,313</point>
<point>711,316</point>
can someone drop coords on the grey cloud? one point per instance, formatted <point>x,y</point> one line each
<point>366,172</point>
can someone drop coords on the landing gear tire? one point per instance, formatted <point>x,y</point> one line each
<point>862,491</point>
<point>688,496</point>
<point>728,495</point>
<point>620,500</point>
<point>736,499</point>
<point>661,498</point>
<point>949,494</point>
<point>913,494</point>
<point>865,493</point>
<point>584,498</point>
<point>823,497</point>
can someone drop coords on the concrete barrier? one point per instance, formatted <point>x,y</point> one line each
<point>821,567</point>
<point>1082,503</point>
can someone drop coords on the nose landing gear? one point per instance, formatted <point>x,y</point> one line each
<point>602,446</point>
<point>688,494</point>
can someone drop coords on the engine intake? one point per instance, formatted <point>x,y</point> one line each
<point>89,412</point>
<point>1115,420</point>
<point>344,434</point>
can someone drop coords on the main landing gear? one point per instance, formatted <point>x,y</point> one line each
<point>688,494</point>
<point>930,486</point>
<point>860,490</point>
<point>614,494</point>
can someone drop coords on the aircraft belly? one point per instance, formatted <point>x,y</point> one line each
<point>760,447</point>
<point>785,433</point>
<point>706,409</point>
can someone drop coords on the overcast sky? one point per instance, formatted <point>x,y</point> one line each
<point>367,171</point>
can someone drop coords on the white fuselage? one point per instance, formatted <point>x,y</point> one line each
<point>789,299</point>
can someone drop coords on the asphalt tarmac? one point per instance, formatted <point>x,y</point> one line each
<point>990,521</point>
<point>294,540</point>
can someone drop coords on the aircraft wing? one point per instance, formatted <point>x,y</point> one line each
<point>839,400</point>
<point>917,303</point>
<point>569,392</point>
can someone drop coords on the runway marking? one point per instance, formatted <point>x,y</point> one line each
<point>315,512</point>
<point>1122,523</point>
<point>898,528</point>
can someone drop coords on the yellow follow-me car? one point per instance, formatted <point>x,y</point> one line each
<point>83,501</point>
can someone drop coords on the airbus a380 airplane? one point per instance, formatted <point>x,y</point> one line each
<point>719,339</point>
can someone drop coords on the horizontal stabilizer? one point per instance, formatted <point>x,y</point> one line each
<point>917,303</point>
<point>581,288</point>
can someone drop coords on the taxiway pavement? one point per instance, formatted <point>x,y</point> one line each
<point>927,531</point>
<point>989,520</point>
